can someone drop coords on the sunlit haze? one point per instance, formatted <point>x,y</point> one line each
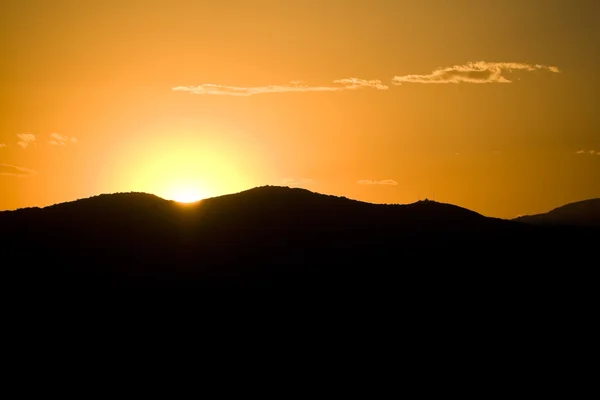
<point>490,105</point>
<point>185,194</point>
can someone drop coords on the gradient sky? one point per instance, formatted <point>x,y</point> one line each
<point>490,105</point>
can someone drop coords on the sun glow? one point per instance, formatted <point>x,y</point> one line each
<point>185,170</point>
<point>187,194</point>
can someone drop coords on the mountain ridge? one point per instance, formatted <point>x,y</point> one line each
<point>269,236</point>
<point>582,213</point>
<point>266,190</point>
<point>273,192</point>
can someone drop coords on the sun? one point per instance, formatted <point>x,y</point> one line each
<point>187,194</point>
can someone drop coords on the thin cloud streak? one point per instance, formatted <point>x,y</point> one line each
<point>2,145</point>
<point>13,170</point>
<point>473,72</point>
<point>61,140</point>
<point>382,182</point>
<point>589,152</point>
<point>295,86</point>
<point>25,139</point>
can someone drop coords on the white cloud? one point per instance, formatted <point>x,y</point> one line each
<point>13,170</point>
<point>297,181</point>
<point>356,83</point>
<point>591,152</point>
<point>294,86</point>
<point>382,182</point>
<point>473,72</point>
<point>61,140</point>
<point>25,139</point>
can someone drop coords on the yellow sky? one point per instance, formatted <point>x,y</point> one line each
<point>490,105</point>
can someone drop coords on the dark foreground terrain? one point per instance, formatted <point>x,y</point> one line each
<point>277,237</point>
<point>442,291</point>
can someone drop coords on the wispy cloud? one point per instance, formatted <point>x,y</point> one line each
<point>294,86</point>
<point>13,170</point>
<point>382,182</point>
<point>589,152</point>
<point>61,140</point>
<point>2,145</point>
<point>25,139</point>
<point>298,182</point>
<point>356,83</point>
<point>473,72</point>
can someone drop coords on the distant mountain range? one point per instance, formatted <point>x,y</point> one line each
<point>581,213</point>
<point>283,237</point>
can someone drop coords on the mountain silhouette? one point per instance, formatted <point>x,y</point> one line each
<point>582,213</point>
<point>274,236</point>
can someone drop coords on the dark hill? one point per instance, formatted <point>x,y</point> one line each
<point>273,236</point>
<point>296,267</point>
<point>581,213</point>
<point>297,208</point>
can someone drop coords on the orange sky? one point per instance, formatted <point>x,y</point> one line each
<point>490,105</point>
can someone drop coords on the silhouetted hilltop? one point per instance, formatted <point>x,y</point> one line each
<point>443,211</point>
<point>581,213</point>
<point>300,206</point>
<point>267,236</point>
